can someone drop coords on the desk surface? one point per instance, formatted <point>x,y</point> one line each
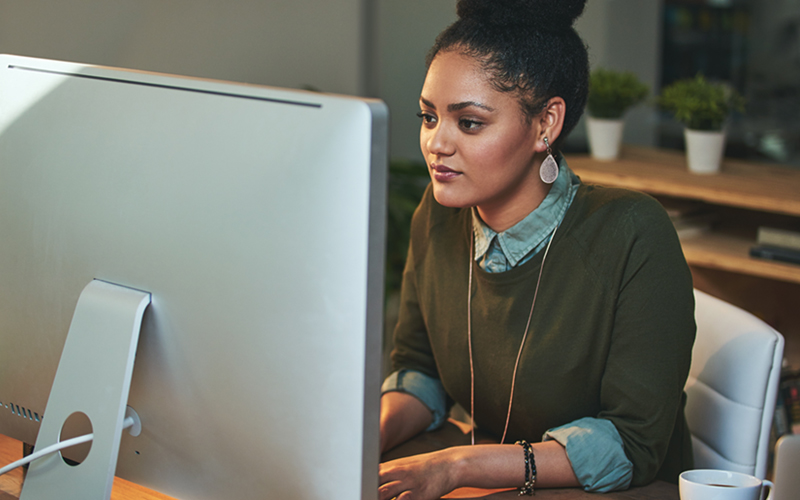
<point>449,435</point>
<point>11,483</point>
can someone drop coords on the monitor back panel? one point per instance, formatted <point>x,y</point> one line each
<point>255,218</point>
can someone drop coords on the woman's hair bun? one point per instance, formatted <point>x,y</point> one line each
<point>545,14</point>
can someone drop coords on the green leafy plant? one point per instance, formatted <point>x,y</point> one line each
<point>700,104</point>
<point>407,182</point>
<point>611,93</point>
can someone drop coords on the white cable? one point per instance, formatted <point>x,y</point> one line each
<point>469,345</point>
<point>129,421</point>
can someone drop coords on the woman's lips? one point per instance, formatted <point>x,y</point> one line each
<point>443,173</point>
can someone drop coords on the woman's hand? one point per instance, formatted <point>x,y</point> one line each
<point>431,475</point>
<point>419,477</point>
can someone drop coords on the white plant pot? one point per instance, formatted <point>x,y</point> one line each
<point>704,150</point>
<point>605,137</point>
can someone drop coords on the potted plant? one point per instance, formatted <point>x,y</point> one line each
<point>611,93</point>
<point>407,182</point>
<point>703,107</point>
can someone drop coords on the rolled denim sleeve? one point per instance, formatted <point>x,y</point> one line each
<point>596,452</point>
<point>427,389</point>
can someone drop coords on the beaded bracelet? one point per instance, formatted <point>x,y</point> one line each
<point>530,469</point>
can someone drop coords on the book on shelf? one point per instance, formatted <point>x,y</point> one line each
<point>776,253</point>
<point>778,238</point>
<point>691,226</point>
<point>689,217</point>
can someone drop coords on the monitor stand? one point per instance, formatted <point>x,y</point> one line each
<point>93,378</point>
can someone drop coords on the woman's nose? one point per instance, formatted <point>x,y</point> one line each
<point>439,141</point>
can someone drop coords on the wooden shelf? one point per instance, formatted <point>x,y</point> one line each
<point>753,186</point>
<point>742,185</point>
<point>731,253</point>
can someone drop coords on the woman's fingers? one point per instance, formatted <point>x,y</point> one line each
<point>389,490</point>
<point>420,477</point>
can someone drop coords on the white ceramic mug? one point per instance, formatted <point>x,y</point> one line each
<point>712,484</point>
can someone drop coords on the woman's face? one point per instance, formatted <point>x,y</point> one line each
<point>478,146</point>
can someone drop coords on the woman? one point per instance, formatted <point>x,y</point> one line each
<point>559,314</point>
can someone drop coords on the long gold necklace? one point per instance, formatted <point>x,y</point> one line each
<point>521,345</point>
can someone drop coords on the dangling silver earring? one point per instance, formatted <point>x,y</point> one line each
<point>548,170</point>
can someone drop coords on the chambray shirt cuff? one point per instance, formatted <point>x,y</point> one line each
<point>428,390</point>
<point>596,452</point>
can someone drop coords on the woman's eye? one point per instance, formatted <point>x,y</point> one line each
<point>426,117</point>
<point>468,124</point>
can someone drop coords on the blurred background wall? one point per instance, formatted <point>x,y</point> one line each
<point>287,43</point>
<point>377,48</point>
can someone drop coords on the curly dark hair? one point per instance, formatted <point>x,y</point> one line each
<point>527,47</point>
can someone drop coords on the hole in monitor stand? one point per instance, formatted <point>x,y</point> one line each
<point>77,424</point>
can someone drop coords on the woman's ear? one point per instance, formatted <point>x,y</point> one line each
<point>551,121</point>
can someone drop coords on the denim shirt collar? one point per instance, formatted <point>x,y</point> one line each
<point>526,235</point>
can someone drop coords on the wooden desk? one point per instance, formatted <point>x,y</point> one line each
<point>449,435</point>
<point>11,483</point>
<point>453,435</point>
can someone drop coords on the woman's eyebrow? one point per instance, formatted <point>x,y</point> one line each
<point>427,103</point>
<point>457,106</point>
<point>466,104</point>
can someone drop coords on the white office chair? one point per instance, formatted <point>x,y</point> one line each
<point>732,387</point>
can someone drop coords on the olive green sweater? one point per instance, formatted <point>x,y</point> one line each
<point>611,334</point>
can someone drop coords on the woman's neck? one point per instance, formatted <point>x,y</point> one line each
<point>509,211</point>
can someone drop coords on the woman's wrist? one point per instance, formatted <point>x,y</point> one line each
<point>484,466</point>
<point>461,462</point>
<point>503,466</point>
<point>456,462</point>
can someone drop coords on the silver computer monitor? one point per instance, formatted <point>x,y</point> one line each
<point>254,217</point>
